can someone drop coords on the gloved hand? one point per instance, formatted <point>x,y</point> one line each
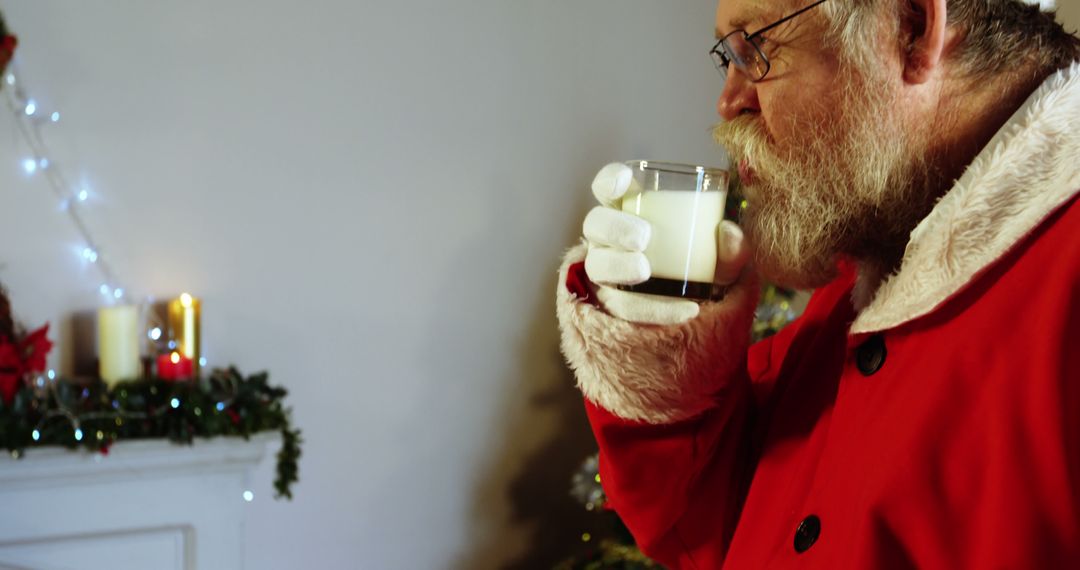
<point>617,242</point>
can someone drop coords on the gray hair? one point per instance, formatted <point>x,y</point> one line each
<point>998,35</point>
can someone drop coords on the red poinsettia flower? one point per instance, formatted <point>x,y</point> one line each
<point>18,360</point>
<point>34,348</point>
<point>7,49</point>
<point>10,370</point>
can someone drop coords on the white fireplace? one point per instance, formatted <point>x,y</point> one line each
<point>147,505</point>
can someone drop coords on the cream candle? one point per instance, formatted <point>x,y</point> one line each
<point>118,343</point>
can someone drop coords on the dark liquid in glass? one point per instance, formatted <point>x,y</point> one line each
<point>678,288</point>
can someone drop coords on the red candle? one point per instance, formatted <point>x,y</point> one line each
<point>174,366</point>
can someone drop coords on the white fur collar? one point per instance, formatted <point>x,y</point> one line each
<point>1027,171</point>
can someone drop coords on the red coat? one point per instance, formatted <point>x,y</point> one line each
<point>936,427</point>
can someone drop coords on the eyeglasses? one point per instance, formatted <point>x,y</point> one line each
<point>744,50</point>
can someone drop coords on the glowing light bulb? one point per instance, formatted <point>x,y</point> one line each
<point>175,403</point>
<point>155,333</point>
<point>104,289</point>
<point>43,163</point>
<point>52,374</point>
<point>83,195</point>
<point>31,108</point>
<point>36,435</point>
<point>10,79</point>
<point>249,496</point>
<point>185,299</point>
<point>78,434</point>
<point>118,293</point>
<point>175,357</point>
<point>220,406</point>
<point>90,255</point>
<point>202,361</point>
<point>29,165</point>
<point>55,116</point>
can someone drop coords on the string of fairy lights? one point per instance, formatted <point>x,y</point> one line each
<point>31,120</point>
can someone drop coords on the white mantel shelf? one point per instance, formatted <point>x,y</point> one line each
<point>146,505</point>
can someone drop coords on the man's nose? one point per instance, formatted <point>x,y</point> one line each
<point>739,95</point>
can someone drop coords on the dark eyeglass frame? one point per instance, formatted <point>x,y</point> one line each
<point>720,52</point>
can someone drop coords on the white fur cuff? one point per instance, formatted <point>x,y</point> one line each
<point>1024,174</point>
<point>1044,5</point>
<point>649,373</point>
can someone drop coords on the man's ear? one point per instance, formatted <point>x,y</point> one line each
<point>922,23</point>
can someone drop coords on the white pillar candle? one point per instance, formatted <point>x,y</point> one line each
<point>118,343</point>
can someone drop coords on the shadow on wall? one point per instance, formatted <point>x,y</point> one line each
<point>522,515</point>
<point>536,487</point>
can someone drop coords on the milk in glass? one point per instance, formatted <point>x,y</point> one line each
<point>682,250</point>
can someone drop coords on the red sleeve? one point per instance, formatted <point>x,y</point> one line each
<point>678,487</point>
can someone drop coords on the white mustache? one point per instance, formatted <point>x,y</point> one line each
<point>744,138</point>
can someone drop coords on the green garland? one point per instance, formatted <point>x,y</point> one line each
<point>94,416</point>
<point>610,554</point>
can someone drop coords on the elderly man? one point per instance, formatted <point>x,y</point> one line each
<point>917,163</point>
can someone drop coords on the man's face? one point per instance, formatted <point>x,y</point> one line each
<point>800,90</point>
<point>826,163</point>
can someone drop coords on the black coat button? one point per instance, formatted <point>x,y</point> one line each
<point>870,356</point>
<point>807,533</point>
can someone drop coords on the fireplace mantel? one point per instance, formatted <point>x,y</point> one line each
<point>147,504</point>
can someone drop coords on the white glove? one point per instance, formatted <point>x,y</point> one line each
<point>617,242</point>
<point>1044,5</point>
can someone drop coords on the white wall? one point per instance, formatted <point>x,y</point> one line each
<point>371,199</point>
<point>1069,14</point>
